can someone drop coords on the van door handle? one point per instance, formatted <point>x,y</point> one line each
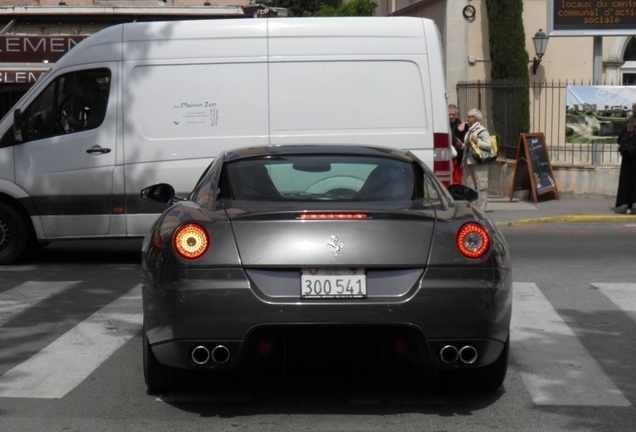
<point>98,150</point>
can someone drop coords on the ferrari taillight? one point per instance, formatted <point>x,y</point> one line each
<point>191,241</point>
<point>473,240</point>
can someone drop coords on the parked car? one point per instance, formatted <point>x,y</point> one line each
<point>277,244</point>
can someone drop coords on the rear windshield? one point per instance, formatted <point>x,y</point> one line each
<point>334,178</point>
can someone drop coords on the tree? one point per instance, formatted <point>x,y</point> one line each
<point>352,8</point>
<point>300,8</point>
<point>509,62</point>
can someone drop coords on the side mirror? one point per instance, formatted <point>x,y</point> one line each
<point>18,126</point>
<point>463,193</point>
<point>162,193</point>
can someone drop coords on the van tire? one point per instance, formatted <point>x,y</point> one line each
<point>14,234</point>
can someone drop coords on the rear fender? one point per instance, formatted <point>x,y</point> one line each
<point>444,250</point>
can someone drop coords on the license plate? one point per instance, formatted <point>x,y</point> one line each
<point>333,283</point>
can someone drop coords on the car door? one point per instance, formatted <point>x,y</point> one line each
<point>67,156</point>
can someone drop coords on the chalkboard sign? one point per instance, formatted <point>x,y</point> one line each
<point>533,170</point>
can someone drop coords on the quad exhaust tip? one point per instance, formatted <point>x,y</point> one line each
<point>468,354</point>
<point>201,355</point>
<point>220,354</point>
<point>450,354</point>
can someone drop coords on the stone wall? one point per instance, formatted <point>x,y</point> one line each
<point>573,181</point>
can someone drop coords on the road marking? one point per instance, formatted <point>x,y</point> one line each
<point>17,299</point>
<point>555,367</point>
<point>65,363</point>
<point>622,295</point>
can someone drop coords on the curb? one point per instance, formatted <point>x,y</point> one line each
<point>570,219</point>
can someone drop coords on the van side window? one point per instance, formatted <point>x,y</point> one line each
<point>74,102</point>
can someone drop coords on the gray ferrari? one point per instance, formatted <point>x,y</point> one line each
<point>330,246</point>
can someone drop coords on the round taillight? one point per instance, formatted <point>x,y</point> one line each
<point>473,240</point>
<point>191,241</point>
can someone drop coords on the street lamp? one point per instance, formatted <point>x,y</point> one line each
<point>540,40</point>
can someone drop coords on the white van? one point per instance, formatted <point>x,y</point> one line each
<point>141,103</point>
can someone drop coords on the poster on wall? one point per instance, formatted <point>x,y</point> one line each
<point>597,114</point>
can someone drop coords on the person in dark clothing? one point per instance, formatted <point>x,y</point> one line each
<point>458,131</point>
<point>626,194</point>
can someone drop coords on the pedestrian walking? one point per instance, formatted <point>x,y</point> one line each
<point>626,194</point>
<point>476,174</point>
<point>458,131</point>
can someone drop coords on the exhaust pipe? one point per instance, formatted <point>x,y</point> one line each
<point>200,355</point>
<point>448,354</point>
<point>468,354</point>
<point>221,354</point>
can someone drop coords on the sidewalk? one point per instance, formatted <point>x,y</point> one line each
<point>503,212</point>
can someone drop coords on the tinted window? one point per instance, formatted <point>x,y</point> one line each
<point>72,103</point>
<point>335,178</point>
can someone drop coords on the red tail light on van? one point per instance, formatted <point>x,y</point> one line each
<point>443,158</point>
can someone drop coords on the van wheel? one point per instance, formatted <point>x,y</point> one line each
<point>14,234</point>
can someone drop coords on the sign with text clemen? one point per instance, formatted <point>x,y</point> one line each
<point>21,76</point>
<point>591,17</point>
<point>36,49</point>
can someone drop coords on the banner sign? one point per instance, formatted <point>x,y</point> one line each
<point>597,114</point>
<point>36,49</point>
<point>591,17</point>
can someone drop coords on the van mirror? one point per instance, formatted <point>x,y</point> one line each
<point>162,193</point>
<point>18,126</point>
<point>463,193</point>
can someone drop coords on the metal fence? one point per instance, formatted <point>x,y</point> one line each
<point>547,115</point>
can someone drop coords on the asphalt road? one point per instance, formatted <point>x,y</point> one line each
<point>71,360</point>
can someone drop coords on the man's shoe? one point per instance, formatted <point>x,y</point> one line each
<point>628,211</point>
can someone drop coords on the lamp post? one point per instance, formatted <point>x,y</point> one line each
<point>540,40</point>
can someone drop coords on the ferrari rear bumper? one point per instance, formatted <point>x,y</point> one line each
<point>220,319</point>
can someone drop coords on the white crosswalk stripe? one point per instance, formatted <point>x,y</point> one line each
<point>622,295</point>
<point>61,366</point>
<point>555,367</point>
<point>16,300</point>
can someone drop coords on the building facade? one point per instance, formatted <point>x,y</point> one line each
<point>35,33</point>
<point>465,41</point>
